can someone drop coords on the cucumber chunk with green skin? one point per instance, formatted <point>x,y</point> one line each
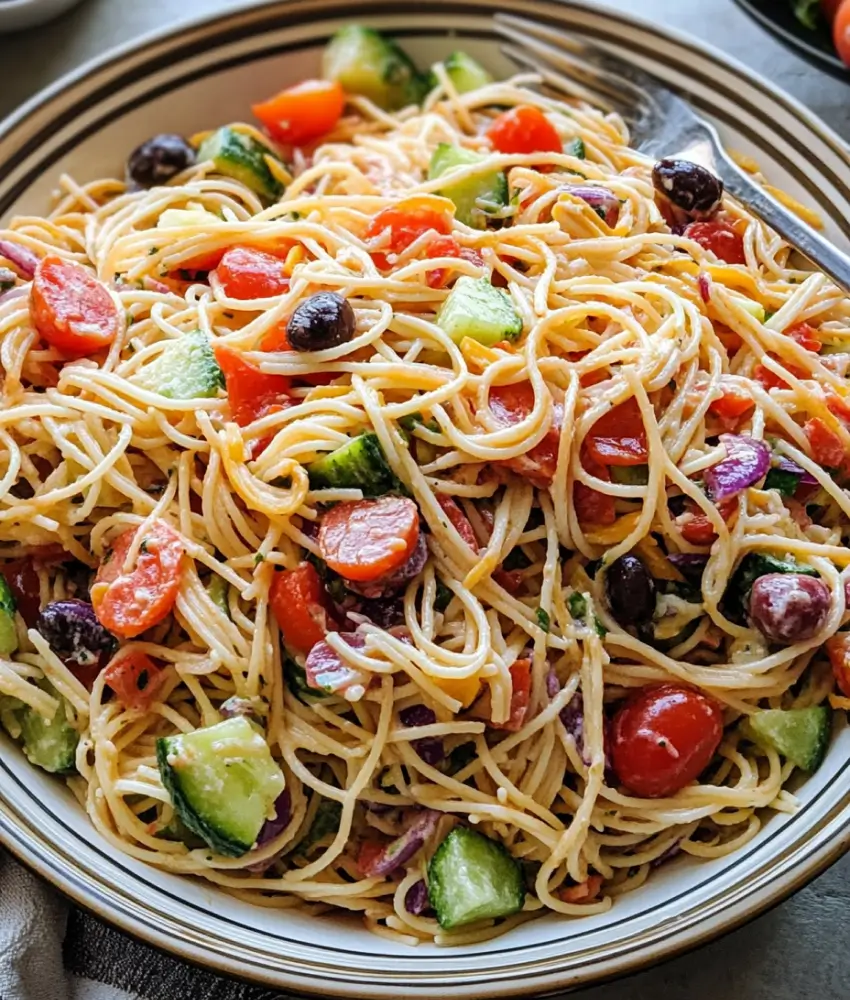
<point>218,590</point>
<point>365,62</point>
<point>476,197</point>
<point>476,309</point>
<point>51,745</point>
<point>358,464</point>
<point>8,632</point>
<point>241,157</point>
<point>223,782</point>
<point>465,73</point>
<point>575,147</point>
<point>800,735</point>
<point>629,475</point>
<point>473,878</point>
<point>186,369</point>
<point>785,483</point>
<point>325,822</point>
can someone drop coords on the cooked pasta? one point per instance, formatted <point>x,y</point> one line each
<point>362,526</point>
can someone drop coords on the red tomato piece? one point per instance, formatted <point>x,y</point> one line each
<point>459,521</point>
<point>733,404</point>
<point>364,540</point>
<point>524,129</point>
<point>720,238</point>
<point>252,394</point>
<point>827,447</point>
<point>695,525</point>
<point>71,309</point>
<point>448,246</point>
<point>841,30</point>
<point>591,506</point>
<point>509,579</point>
<point>370,851</point>
<point>302,607</point>
<point>838,650</point>
<point>664,737</point>
<point>804,335</point>
<point>511,404</point>
<point>405,226</point>
<point>22,578</point>
<point>520,695</point>
<point>134,678</point>
<point>245,273</point>
<point>128,603</point>
<point>584,892</point>
<point>618,437</point>
<point>303,112</point>
<point>767,378</point>
<point>727,336</point>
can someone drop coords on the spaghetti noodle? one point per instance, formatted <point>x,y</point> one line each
<point>559,481</point>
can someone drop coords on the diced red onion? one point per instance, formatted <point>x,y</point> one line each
<point>429,748</point>
<point>235,707</point>
<point>20,256</point>
<point>393,582</point>
<point>273,828</point>
<point>416,898</point>
<point>402,849</point>
<point>417,715</point>
<point>689,564</point>
<point>601,200</point>
<point>746,463</point>
<point>572,717</point>
<point>789,465</point>
<point>553,685</point>
<point>668,855</point>
<point>327,671</point>
<point>704,282</point>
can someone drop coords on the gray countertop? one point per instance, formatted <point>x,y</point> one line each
<point>797,951</point>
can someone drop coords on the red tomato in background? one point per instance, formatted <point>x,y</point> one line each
<point>303,112</point>
<point>664,737</point>
<point>840,28</point>
<point>524,129</point>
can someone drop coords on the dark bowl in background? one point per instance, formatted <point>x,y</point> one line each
<point>815,46</point>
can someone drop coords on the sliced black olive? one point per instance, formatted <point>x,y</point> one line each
<point>159,159</point>
<point>688,186</point>
<point>74,633</point>
<point>322,321</point>
<point>630,591</point>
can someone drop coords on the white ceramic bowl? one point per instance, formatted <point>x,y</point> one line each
<point>209,74</point>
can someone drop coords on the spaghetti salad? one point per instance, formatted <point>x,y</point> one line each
<point>422,507</point>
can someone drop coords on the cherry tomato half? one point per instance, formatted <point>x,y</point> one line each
<point>524,129</point>
<point>663,738</point>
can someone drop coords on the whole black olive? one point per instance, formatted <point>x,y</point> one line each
<point>74,633</point>
<point>324,320</point>
<point>158,159</point>
<point>689,186</point>
<point>630,590</point>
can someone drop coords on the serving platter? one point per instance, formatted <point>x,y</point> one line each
<point>815,46</point>
<point>208,73</point>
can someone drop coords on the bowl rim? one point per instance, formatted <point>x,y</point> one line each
<point>817,851</point>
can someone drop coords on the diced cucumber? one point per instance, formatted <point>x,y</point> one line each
<point>359,464</point>
<point>8,632</point>
<point>241,157</point>
<point>218,590</point>
<point>629,475</point>
<point>366,62</point>
<point>575,147</point>
<point>476,309</point>
<point>465,73</point>
<point>177,218</point>
<point>223,782</point>
<point>295,678</point>
<point>325,822</point>
<point>50,745</point>
<point>475,197</point>
<point>186,369</point>
<point>473,878</point>
<point>785,483</point>
<point>801,735</point>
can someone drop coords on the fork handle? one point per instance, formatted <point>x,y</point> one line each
<point>790,227</point>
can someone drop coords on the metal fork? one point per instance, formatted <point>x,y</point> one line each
<point>661,123</point>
